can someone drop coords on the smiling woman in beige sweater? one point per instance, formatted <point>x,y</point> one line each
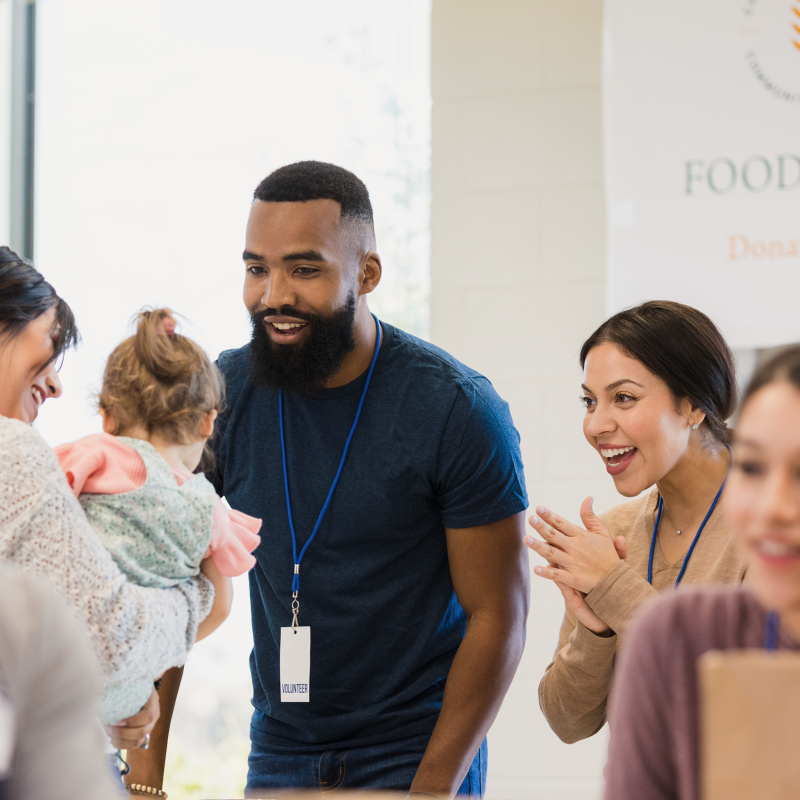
<point>659,383</point>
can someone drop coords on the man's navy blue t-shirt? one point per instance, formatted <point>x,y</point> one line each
<point>435,447</point>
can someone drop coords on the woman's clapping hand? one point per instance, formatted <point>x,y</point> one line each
<point>576,604</point>
<point>578,557</point>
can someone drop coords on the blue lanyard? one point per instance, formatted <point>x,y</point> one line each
<point>771,636</point>
<point>696,536</point>
<point>297,560</point>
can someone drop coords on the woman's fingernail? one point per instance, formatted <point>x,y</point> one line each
<point>534,520</point>
<point>529,540</point>
<point>591,504</point>
<point>537,570</point>
<point>542,510</point>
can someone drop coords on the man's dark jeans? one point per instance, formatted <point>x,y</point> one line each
<point>389,767</point>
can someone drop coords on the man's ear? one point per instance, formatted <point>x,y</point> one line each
<point>371,271</point>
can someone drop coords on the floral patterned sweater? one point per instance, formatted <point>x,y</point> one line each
<point>136,633</point>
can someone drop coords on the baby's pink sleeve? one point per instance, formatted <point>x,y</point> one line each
<point>234,536</point>
<point>101,464</point>
<point>79,464</point>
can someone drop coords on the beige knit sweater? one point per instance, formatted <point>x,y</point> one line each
<point>574,688</point>
<point>136,633</point>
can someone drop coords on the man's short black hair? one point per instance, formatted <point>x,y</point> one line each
<point>317,180</point>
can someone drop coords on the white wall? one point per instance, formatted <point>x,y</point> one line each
<point>518,281</point>
<point>5,119</point>
<point>155,121</point>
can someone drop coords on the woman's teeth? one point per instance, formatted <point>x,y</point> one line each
<point>617,452</point>
<point>776,549</point>
<point>38,397</point>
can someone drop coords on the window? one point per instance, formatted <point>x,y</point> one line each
<point>154,123</point>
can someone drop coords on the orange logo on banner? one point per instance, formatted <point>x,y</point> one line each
<point>796,25</point>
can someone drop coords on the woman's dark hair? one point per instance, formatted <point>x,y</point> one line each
<point>783,367</point>
<point>684,348</point>
<point>25,295</point>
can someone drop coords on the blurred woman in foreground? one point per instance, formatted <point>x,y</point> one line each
<point>654,708</point>
<point>51,745</point>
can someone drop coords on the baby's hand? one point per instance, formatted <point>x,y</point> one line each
<point>132,732</point>
<point>223,598</point>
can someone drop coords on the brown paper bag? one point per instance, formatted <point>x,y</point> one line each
<point>750,725</point>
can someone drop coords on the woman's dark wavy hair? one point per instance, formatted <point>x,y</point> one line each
<point>783,367</point>
<point>25,295</point>
<point>684,348</point>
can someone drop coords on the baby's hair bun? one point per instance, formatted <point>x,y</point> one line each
<point>167,358</point>
<point>160,379</point>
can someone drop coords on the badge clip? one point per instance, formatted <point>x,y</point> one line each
<point>295,601</point>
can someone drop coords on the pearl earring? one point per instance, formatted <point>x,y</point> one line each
<point>695,427</point>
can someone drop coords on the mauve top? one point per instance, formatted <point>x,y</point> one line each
<point>654,704</point>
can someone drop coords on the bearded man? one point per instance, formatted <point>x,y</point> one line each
<point>390,593</point>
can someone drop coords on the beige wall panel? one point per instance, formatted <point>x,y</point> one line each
<point>469,62</point>
<point>532,139</point>
<point>573,234</point>
<point>448,142</point>
<point>572,44</point>
<point>518,282</point>
<point>503,239</point>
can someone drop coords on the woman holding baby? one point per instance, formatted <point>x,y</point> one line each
<point>140,599</point>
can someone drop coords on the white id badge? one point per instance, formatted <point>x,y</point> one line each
<point>295,664</point>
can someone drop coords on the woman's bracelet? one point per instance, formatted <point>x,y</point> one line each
<point>140,788</point>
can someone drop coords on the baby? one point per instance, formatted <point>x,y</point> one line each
<point>162,523</point>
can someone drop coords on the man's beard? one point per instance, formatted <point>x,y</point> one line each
<point>305,367</point>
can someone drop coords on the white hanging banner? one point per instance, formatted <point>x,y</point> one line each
<point>702,154</point>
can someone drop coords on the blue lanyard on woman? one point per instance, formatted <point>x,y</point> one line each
<point>298,559</point>
<point>696,536</point>
<point>771,635</point>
